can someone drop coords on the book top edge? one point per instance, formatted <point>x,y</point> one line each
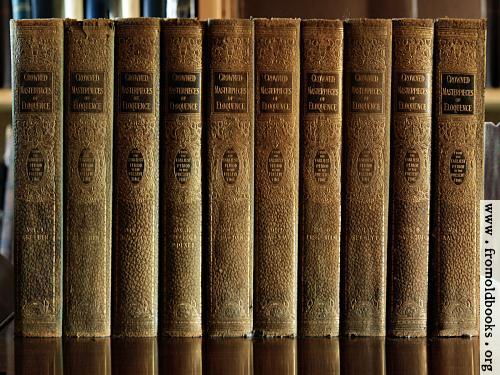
<point>369,21</point>
<point>137,21</point>
<point>231,22</point>
<point>182,22</point>
<point>322,22</point>
<point>416,22</point>
<point>461,23</point>
<point>272,22</point>
<point>38,22</point>
<point>96,22</point>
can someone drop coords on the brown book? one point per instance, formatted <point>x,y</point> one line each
<point>134,355</point>
<point>136,175</point>
<point>228,356</point>
<point>321,157</point>
<point>277,74</point>
<point>230,115</point>
<point>88,141</point>
<point>182,356</point>
<point>408,250</point>
<point>454,353</point>
<point>457,186</point>
<point>363,355</point>
<point>367,80</point>
<point>181,133</point>
<point>37,56</point>
<point>274,356</point>
<point>42,356</point>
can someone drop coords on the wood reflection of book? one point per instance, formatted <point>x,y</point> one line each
<point>454,356</point>
<point>275,356</point>
<point>318,356</point>
<point>181,356</point>
<point>362,355</point>
<point>406,356</point>
<point>87,356</point>
<point>41,356</point>
<point>134,355</point>
<point>227,356</point>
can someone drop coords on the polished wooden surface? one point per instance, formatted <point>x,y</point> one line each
<point>454,356</point>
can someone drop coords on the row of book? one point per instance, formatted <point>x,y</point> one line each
<point>275,171</point>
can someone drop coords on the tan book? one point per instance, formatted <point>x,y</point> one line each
<point>277,74</point>
<point>230,120</point>
<point>320,167</point>
<point>37,118</point>
<point>136,175</point>
<point>411,122</point>
<point>367,80</point>
<point>88,142</point>
<point>180,173</point>
<point>457,186</point>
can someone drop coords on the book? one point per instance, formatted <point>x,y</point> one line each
<point>45,8</point>
<point>181,184</point>
<point>88,144</point>
<point>37,79</point>
<point>367,80</point>
<point>136,175</point>
<point>277,74</point>
<point>182,9</point>
<point>411,127</point>
<point>320,172</point>
<point>457,185</point>
<point>403,355</point>
<point>444,354</point>
<point>230,127</point>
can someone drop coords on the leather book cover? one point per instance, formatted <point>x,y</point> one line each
<point>229,171</point>
<point>367,80</point>
<point>411,122</point>
<point>277,74</point>
<point>457,186</point>
<point>136,177</point>
<point>181,185</point>
<point>37,58</point>
<point>88,142</point>
<point>320,166</point>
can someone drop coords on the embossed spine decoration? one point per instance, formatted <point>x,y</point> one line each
<point>410,176</point>
<point>367,77</point>
<point>321,141</point>
<point>88,141</point>
<point>277,75</point>
<point>136,175</point>
<point>37,80</point>
<point>457,184</point>
<point>181,134</point>
<point>230,126</point>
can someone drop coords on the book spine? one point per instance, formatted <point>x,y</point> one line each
<point>88,141</point>
<point>367,79</point>
<point>410,176</point>
<point>229,173</point>
<point>321,157</point>
<point>181,187</point>
<point>136,175</point>
<point>37,56</point>
<point>457,186</point>
<point>277,74</point>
